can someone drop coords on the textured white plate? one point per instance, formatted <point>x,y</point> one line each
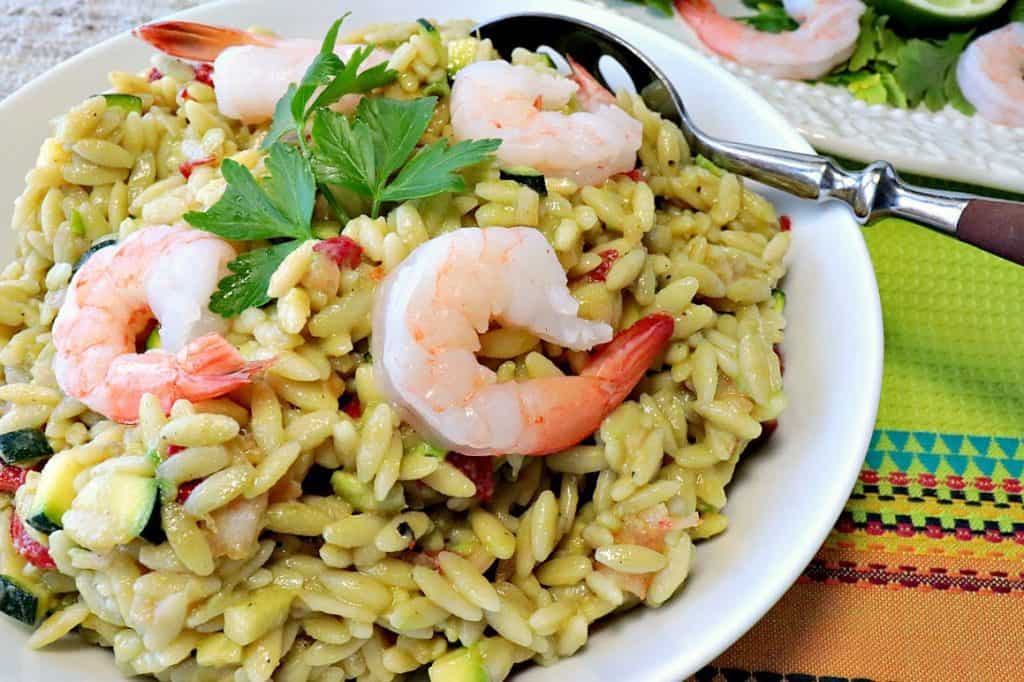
<point>785,498</point>
<point>944,144</point>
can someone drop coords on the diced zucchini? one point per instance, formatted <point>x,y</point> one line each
<point>437,89</point>
<point>119,100</point>
<point>154,533</point>
<point>707,164</point>
<point>462,665</point>
<point>54,493</point>
<point>461,53</point>
<point>778,300</point>
<point>111,510</point>
<point>427,27</point>
<point>76,223</point>
<point>262,611</point>
<point>23,599</point>
<point>428,450</point>
<point>360,495</point>
<point>90,251</point>
<point>530,177</point>
<point>23,446</point>
<point>153,340</point>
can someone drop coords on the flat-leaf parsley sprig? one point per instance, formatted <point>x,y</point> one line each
<point>325,82</point>
<point>374,155</point>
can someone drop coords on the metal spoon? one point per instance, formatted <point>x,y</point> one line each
<point>877,191</point>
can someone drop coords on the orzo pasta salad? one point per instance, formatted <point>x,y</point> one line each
<point>342,360</point>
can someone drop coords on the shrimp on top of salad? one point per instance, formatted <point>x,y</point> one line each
<point>250,71</point>
<point>991,75</point>
<point>162,272</point>
<point>827,37</point>
<point>426,320</point>
<point>524,107</point>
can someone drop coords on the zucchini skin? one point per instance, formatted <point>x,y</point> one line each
<point>526,176</point>
<point>18,602</point>
<point>24,445</point>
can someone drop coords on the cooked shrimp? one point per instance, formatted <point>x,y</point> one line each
<point>991,75</point>
<point>427,317</point>
<point>234,529</point>
<point>520,106</point>
<point>162,272</point>
<point>826,38</point>
<point>250,72</point>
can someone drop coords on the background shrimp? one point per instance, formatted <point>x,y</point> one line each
<point>826,38</point>
<point>989,74</point>
<point>166,273</point>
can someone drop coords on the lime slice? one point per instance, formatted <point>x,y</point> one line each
<point>937,14</point>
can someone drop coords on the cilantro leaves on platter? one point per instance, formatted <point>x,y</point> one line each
<point>371,155</point>
<point>771,16</point>
<point>333,78</point>
<point>663,6</point>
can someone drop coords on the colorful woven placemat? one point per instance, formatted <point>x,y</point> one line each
<point>922,578</point>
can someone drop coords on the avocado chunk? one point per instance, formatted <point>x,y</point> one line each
<point>23,446</point>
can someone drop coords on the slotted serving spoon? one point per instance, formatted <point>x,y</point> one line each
<point>875,192</point>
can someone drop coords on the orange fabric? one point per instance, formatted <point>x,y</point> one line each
<point>887,632</point>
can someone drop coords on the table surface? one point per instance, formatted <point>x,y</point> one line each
<point>917,579</point>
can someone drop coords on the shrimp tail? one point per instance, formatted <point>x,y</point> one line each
<point>565,410</point>
<point>210,367</point>
<point>591,92</point>
<point>624,360</point>
<point>196,42</point>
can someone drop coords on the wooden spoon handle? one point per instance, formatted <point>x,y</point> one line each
<point>994,226</point>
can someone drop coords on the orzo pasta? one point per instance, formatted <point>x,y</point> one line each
<point>276,490</point>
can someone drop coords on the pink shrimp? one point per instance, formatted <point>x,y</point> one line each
<point>426,319</point>
<point>162,272</point>
<point>826,38</point>
<point>250,72</point>
<point>520,106</point>
<point>989,74</point>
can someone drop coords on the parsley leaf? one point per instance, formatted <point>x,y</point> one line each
<point>663,6</point>
<point>282,206</point>
<point>333,78</point>
<point>432,170</point>
<point>246,287</point>
<point>365,155</point>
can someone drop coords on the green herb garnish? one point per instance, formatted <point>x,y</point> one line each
<point>373,155</point>
<point>663,6</point>
<point>771,16</point>
<point>337,78</point>
<point>888,69</point>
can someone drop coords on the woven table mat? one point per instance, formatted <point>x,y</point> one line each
<point>922,577</point>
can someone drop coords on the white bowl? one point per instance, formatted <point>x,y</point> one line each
<point>785,498</point>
